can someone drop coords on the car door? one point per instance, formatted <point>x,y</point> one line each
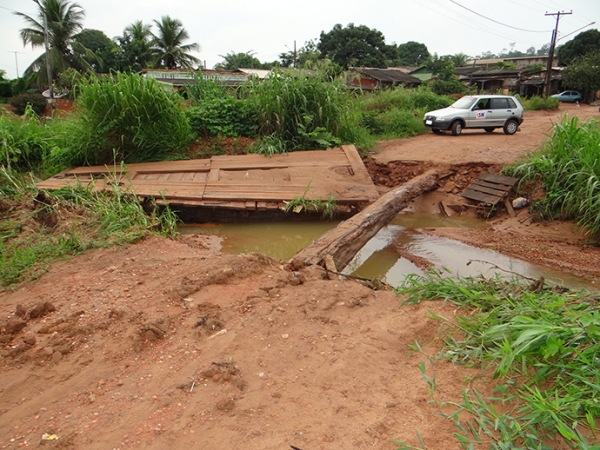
<point>481,115</point>
<point>500,111</point>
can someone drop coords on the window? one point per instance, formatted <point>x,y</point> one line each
<point>499,103</point>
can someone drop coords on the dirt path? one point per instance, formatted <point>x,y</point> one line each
<point>172,344</point>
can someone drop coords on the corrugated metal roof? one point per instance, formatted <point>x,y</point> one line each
<point>388,75</point>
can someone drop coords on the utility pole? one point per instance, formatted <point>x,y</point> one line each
<point>16,61</point>
<point>551,52</point>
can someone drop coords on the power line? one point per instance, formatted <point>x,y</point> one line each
<point>495,21</point>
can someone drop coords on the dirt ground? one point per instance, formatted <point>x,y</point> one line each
<point>174,345</point>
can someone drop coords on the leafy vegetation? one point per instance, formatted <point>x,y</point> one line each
<point>543,346</point>
<point>536,103</point>
<point>36,101</point>
<point>567,169</point>
<point>92,219</point>
<point>326,208</point>
<point>582,73</point>
<point>128,117</point>
<point>300,109</point>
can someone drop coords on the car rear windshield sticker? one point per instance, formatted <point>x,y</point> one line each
<point>480,115</point>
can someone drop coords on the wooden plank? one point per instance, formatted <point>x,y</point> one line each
<point>500,179</point>
<point>487,184</point>
<point>213,175</point>
<point>356,162</point>
<point>509,208</point>
<point>485,190</point>
<point>480,197</point>
<point>250,206</point>
<point>261,206</point>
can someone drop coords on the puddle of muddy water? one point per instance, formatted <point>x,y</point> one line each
<point>379,258</point>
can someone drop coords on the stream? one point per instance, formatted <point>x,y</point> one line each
<point>379,257</point>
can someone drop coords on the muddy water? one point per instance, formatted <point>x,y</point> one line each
<point>380,257</point>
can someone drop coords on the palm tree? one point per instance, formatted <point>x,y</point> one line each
<point>168,46</point>
<point>136,46</point>
<point>64,21</point>
<point>459,59</point>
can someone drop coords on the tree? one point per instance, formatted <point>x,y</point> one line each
<point>135,51</point>
<point>167,45</point>
<point>356,47</point>
<point>64,22</point>
<point>308,54</point>
<point>102,46</point>
<point>459,59</point>
<point>413,53</point>
<point>582,74</point>
<point>445,81</point>
<point>543,50</point>
<point>580,45</point>
<point>234,61</point>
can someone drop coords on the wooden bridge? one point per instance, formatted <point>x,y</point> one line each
<point>242,182</point>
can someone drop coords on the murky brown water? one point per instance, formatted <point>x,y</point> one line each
<point>379,259</point>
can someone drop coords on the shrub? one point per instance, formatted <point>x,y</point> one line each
<point>536,103</point>
<point>128,118</point>
<point>224,116</point>
<point>301,109</point>
<point>37,101</point>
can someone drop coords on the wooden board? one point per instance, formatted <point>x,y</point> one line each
<point>244,182</point>
<point>489,188</point>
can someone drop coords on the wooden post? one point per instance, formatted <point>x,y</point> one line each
<point>344,241</point>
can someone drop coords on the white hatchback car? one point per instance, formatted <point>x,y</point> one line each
<point>478,111</point>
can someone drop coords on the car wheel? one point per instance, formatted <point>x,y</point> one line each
<point>436,131</point>
<point>511,127</point>
<point>489,129</point>
<point>456,128</point>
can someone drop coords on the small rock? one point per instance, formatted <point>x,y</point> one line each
<point>56,357</point>
<point>40,310</point>
<point>29,339</point>
<point>20,310</point>
<point>285,336</point>
<point>225,404</point>
<point>520,202</point>
<point>216,377</point>
<point>15,325</point>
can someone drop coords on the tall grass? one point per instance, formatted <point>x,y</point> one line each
<point>301,109</point>
<point>86,219</point>
<point>536,103</point>
<point>26,141</point>
<point>544,347</point>
<point>131,117</point>
<point>568,168</point>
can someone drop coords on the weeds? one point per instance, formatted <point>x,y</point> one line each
<point>536,103</point>
<point>568,169</point>
<point>86,219</point>
<point>544,347</point>
<point>326,208</point>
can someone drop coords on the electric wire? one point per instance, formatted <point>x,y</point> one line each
<point>495,21</point>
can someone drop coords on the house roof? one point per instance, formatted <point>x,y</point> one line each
<point>387,75</point>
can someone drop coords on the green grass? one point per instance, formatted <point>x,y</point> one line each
<point>87,219</point>
<point>544,349</point>
<point>568,169</point>
<point>327,208</point>
<point>537,103</point>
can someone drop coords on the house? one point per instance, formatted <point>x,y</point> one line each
<point>177,78</point>
<point>371,78</point>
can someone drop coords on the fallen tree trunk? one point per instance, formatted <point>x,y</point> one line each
<point>344,241</point>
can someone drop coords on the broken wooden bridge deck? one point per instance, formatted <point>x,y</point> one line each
<point>241,182</point>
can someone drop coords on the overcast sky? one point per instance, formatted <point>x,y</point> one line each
<point>270,27</point>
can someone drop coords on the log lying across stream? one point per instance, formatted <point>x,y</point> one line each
<point>343,242</point>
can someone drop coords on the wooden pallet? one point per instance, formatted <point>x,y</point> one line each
<point>243,182</point>
<point>491,189</point>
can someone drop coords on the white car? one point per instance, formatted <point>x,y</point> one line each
<point>477,111</point>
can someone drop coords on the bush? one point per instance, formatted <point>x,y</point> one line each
<point>224,116</point>
<point>302,110</point>
<point>536,103</point>
<point>37,101</point>
<point>128,118</point>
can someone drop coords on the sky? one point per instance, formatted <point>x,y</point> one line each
<point>270,27</point>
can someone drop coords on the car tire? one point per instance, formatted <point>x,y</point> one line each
<point>489,129</point>
<point>511,127</point>
<point>457,127</point>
